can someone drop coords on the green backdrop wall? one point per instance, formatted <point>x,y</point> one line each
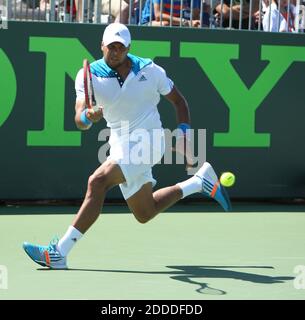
<point>245,88</point>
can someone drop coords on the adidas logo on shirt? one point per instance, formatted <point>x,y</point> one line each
<point>142,78</point>
<point>117,34</point>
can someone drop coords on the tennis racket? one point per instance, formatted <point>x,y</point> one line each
<point>89,92</point>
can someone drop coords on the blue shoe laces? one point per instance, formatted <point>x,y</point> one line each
<point>51,247</point>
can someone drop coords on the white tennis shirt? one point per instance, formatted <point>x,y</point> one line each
<point>133,101</point>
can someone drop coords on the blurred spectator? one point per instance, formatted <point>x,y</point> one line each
<point>44,5</point>
<point>237,10</point>
<point>76,9</point>
<point>276,17</point>
<point>272,19</point>
<point>27,9</point>
<point>162,16</point>
<point>123,15</point>
<point>288,10</point>
<point>40,9</point>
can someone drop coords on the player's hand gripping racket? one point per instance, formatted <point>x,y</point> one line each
<point>89,92</point>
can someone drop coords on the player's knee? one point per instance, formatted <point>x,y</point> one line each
<point>143,216</point>
<point>142,219</point>
<point>98,183</point>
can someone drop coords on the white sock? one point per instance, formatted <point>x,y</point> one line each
<point>66,243</point>
<point>190,186</point>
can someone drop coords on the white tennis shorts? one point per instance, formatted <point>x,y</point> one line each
<point>136,154</point>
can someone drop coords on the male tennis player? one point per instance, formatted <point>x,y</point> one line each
<point>129,88</point>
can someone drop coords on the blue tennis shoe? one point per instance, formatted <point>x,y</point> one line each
<point>46,256</point>
<point>212,187</point>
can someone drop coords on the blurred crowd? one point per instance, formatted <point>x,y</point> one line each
<point>266,15</point>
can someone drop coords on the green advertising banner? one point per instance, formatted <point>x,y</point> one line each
<point>245,91</point>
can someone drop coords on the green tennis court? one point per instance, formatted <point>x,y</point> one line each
<point>190,252</point>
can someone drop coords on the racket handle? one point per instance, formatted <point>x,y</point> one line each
<point>96,108</point>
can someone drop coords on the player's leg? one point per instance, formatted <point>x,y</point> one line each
<point>146,204</point>
<point>54,256</point>
<point>104,178</point>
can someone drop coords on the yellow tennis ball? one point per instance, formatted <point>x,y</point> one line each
<point>227,179</point>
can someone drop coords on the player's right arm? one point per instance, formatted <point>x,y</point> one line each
<point>79,109</point>
<point>84,117</point>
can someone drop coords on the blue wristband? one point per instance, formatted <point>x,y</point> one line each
<point>84,119</point>
<point>184,127</point>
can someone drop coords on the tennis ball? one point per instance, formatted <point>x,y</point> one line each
<point>227,179</point>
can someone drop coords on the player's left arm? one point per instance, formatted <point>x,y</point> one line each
<point>180,104</point>
<point>183,143</point>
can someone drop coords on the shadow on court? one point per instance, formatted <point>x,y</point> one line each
<point>191,275</point>
<point>222,272</point>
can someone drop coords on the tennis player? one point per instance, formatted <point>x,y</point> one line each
<point>128,88</point>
